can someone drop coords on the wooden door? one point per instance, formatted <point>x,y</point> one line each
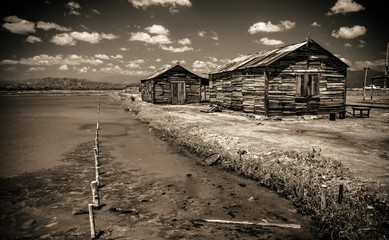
<point>178,93</point>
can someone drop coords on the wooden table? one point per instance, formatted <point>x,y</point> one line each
<point>363,111</point>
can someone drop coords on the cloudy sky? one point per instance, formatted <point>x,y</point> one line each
<point>127,40</point>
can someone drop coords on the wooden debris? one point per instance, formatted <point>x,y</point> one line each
<point>263,224</point>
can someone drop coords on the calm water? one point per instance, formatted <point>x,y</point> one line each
<point>35,131</point>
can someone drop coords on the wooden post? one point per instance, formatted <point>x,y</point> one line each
<point>323,204</point>
<point>96,151</point>
<point>364,83</point>
<point>97,142</point>
<point>95,194</point>
<point>340,196</point>
<point>369,215</point>
<point>98,175</point>
<point>92,222</point>
<point>386,66</point>
<point>97,160</point>
<point>266,94</point>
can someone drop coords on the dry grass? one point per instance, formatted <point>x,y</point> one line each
<point>294,175</point>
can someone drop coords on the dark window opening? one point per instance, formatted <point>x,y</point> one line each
<point>307,85</point>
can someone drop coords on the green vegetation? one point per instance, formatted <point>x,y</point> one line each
<point>295,175</point>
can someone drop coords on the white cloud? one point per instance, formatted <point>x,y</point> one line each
<point>176,49</point>
<point>18,25</point>
<point>348,45</point>
<point>63,67</point>
<point>159,39</point>
<point>349,33</point>
<point>133,65</point>
<point>315,24</point>
<point>46,60</point>
<point>212,35</point>
<point>345,6</point>
<point>49,25</point>
<point>95,11</point>
<point>362,43</point>
<point>269,42</point>
<point>63,39</point>
<point>202,33</point>
<point>86,37</point>
<point>118,56</point>
<point>73,8</point>
<point>8,62</point>
<point>84,69</point>
<point>33,39</point>
<point>145,37</point>
<point>185,41</point>
<point>204,66</point>
<point>157,29</point>
<point>269,27</point>
<point>36,69</point>
<point>70,38</point>
<point>171,3</point>
<point>158,60</point>
<point>124,49</point>
<point>101,56</point>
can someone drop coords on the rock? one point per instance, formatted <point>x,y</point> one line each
<point>28,224</point>
<point>242,184</point>
<point>212,159</point>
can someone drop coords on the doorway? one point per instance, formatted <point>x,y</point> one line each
<point>178,93</point>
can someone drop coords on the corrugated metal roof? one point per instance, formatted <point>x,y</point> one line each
<point>259,59</point>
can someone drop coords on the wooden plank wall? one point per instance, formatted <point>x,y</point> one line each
<point>162,89</point>
<point>242,92</point>
<point>193,88</point>
<point>146,89</point>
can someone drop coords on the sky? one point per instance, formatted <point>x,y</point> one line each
<point>127,40</point>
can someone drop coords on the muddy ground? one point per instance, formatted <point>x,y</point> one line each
<point>151,188</point>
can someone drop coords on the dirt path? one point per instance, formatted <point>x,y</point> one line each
<point>151,189</point>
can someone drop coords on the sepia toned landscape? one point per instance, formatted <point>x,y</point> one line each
<point>194,119</point>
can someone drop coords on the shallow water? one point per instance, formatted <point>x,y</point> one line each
<point>36,130</point>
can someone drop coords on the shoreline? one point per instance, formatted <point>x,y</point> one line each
<point>295,175</point>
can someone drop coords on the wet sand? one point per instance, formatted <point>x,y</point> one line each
<point>152,188</point>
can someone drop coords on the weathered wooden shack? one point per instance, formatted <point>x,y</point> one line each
<point>173,85</point>
<point>300,78</point>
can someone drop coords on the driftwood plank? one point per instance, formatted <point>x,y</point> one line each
<point>263,224</point>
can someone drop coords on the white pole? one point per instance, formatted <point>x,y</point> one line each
<point>95,194</point>
<point>92,222</point>
<point>98,175</point>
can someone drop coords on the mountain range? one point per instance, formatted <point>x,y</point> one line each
<point>50,83</point>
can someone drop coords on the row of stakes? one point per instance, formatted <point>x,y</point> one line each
<point>95,184</point>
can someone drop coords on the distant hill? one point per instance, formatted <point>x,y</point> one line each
<point>50,83</point>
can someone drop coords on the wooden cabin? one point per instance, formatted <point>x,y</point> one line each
<point>173,85</point>
<point>300,78</point>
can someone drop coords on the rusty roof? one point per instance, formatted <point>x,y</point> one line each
<point>262,59</point>
<point>173,68</point>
